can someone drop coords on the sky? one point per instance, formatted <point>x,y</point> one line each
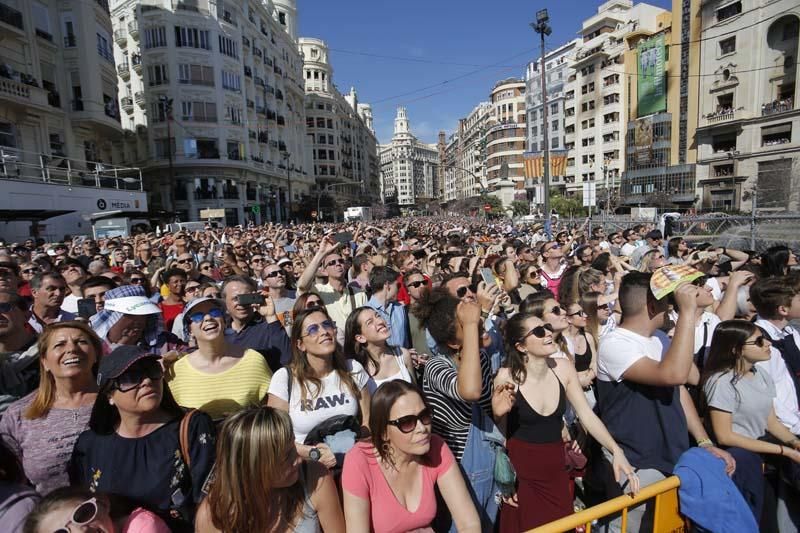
<point>438,58</point>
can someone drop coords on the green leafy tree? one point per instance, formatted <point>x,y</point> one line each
<point>520,208</point>
<point>495,203</point>
<point>568,206</point>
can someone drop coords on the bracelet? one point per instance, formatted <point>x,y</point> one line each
<point>781,447</point>
<point>705,443</point>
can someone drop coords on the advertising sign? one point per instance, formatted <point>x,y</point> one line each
<point>643,140</point>
<point>651,80</point>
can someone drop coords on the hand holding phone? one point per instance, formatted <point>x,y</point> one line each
<point>87,308</point>
<point>253,298</point>
<point>488,276</point>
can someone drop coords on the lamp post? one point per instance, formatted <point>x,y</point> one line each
<point>286,156</point>
<point>166,104</point>
<point>542,27</point>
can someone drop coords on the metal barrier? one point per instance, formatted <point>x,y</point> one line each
<point>666,515</point>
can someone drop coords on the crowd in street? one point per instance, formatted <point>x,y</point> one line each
<point>423,374</point>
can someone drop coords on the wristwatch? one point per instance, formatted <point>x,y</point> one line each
<point>314,454</point>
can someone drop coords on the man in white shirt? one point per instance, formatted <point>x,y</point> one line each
<point>777,301</point>
<point>631,238</point>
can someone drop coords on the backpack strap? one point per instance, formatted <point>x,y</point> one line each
<point>183,437</point>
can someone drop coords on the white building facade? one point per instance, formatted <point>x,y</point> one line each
<point>212,103</point>
<point>409,168</point>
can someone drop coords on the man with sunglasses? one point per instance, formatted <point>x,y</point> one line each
<point>74,274</point>
<point>654,240</point>
<point>145,260</point>
<point>273,279</point>
<point>340,300</point>
<point>19,355</point>
<point>254,326</point>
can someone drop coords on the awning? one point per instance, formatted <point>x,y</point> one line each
<point>30,214</point>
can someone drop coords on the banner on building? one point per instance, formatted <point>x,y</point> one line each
<point>643,140</point>
<point>534,163</point>
<point>651,83</point>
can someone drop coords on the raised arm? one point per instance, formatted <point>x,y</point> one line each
<point>306,281</point>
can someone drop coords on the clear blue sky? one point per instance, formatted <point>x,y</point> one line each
<point>443,39</point>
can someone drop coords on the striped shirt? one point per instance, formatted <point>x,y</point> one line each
<point>451,414</point>
<point>245,383</point>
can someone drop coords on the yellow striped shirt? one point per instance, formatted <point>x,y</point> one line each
<point>245,383</point>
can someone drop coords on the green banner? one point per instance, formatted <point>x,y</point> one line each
<point>651,85</point>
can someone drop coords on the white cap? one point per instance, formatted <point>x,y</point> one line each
<point>132,305</point>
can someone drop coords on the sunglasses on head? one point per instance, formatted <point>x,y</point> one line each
<point>274,273</point>
<point>407,424</point>
<point>462,291</point>
<point>760,341</point>
<point>335,262</point>
<point>134,376</point>
<point>83,514</point>
<point>214,312</point>
<point>315,329</point>
<point>540,332</point>
<point>416,284</point>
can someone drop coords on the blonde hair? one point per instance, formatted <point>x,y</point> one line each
<point>46,393</point>
<point>251,448</point>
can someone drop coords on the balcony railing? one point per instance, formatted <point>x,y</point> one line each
<point>136,60</point>
<point>720,116</point>
<point>140,98</point>
<point>121,37</point>
<point>69,41</point>
<point>127,104</point>
<point>133,29</point>
<point>44,35</point>
<point>123,69</point>
<point>10,16</point>
<point>777,106</point>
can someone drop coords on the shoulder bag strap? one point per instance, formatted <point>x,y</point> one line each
<point>352,299</point>
<point>184,438</point>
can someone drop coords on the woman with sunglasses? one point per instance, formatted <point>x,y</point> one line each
<point>389,482</point>
<point>600,321</point>
<point>366,333</point>
<point>219,378</point>
<point>652,260</point>
<point>132,448</point>
<point>72,509</point>
<point>307,300</point>
<point>257,456</point>
<point>545,307</point>
<point>529,280</point>
<point>533,392</point>
<point>738,406</point>
<point>319,383</point>
<point>584,347</point>
<point>42,427</point>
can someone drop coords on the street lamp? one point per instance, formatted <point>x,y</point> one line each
<point>286,156</point>
<point>542,27</point>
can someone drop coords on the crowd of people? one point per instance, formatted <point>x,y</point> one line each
<point>429,374</point>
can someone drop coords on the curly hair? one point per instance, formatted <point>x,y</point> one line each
<point>437,312</point>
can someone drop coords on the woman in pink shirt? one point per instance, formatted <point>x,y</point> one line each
<point>389,483</point>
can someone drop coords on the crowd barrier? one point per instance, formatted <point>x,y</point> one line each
<point>666,516</point>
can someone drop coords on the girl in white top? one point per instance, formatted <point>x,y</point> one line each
<point>365,338</point>
<point>323,383</point>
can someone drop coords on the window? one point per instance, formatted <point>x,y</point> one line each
<point>196,74</point>
<point>588,123</point>
<point>534,131</point>
<point>610,118</point>
<point>727,46</point>
<point>158,112</point>
<point>68,28</point>
<point>611,99</point>
<point>610,80</point>
<point>155,37</point>
<point>229,47</point>
<point>323,139</point>
<point>554,126</point>
<point>165,147</point>
<point>192,38</point>
<point>587,70</point>
<point>775,135</point>
<point>199,111</point>
<point>282,18</point>
<point>587,106</point>
<point>104,45</point>
<point>554,142</point>
<point>231,81</point>
<point>234,114</point>
<point>553,109</point>
<point>729,11</point>
<point>57,144</point>
<point>41,20</point>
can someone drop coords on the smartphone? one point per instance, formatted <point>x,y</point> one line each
<point>252,298</point>
<point>290,249</point>
<point>87,308</point>
<point>344,237</point>
<point>419,254</point>
<point>488,276</point>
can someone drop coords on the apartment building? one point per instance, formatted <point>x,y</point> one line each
<point>595,112</point>
<point>660,144</point>
<point>212,101</point>
<point>749,128</point>
<point>344,150</point>
<point>506,139</point>
<point>463,165</point>
<point>409,168</point>
<point>60,132</point>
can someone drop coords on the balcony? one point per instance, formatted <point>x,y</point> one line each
<point>121,38</point>
<point>133,29</point>
<point>721,115</point>
<point>10,16</point>
<point>140,99</point>
<point>44,35</point>
<point>136,61</point>
<point>124,71</point>
<point>23,94</point>
<point>127,104</point>
<point>651,186</point>
<point>777,106</point>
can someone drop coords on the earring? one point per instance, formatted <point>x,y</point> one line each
<point>110,401</point>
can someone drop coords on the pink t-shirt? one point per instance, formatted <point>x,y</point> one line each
<point>144,521</point>
<point>362,477</point>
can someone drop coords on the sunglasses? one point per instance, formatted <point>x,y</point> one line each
<point>554,247</point>
<point>557,310</point>
<point>462,291</point>
<point>760,341</point>
<point>30,271</point>
<point>274,274</point>
<point>540,332</point>
<point>416,284</point>
<point>257,260</point>
<point>133,377</point>
<point>214,312</point>
<point>700,282</point>
<point>6,307</point>
<point>580,313</point>
<point>82,515</point>
<point>137,281</point>
<point>407,424</point>
<point>314,330</point>
<point>313,303</point>
<point>207,267</point>
<point>192,288</point>
<point>183,261</point>
<point>336,262</point>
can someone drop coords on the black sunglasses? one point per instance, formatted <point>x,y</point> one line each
<point>557,310</point>
<point>134,376</point>
<point>183,261</point>
<point>335,262</point>
<point>407,424</point>
<point>6,307</point>
<point>462,291</point>
<point>274,273</point>
<point>137,281</point>
<point>540,332</point>
<point>760,341</point>
<point>416,284</point>
<point>581,313</point>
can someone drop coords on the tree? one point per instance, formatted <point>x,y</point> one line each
<point>568,206</point>
<point>496,205</point>
<point>520,208</point>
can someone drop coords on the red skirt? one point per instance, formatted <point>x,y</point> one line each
<point>542,486</point>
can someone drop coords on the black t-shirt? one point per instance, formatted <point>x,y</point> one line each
<point>148,471</point>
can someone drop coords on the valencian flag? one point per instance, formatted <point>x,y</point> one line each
<point>534,163</point>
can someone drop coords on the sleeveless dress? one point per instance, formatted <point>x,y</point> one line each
<point>373,383</point>
<point>536,450</point>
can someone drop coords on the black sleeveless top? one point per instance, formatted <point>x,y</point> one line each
<point>527,425</point>
<point>584,360</point>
